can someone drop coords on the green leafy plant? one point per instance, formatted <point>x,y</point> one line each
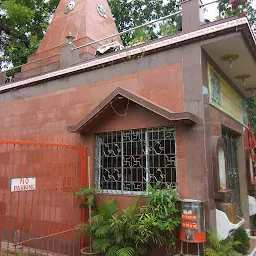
<point>132,231</point>
<point>160,218</point>
<point>241,236</point>
<point>126,238</point>
<point>88,196</point>
<point>220,247</point>
<point>114,233</point>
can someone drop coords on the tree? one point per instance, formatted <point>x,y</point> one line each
<point>238,8</point>
<point>241,8</point>
<point>22,26</point>
<point>128,14</point>
<point>251,107</point>
<point>24,22</point>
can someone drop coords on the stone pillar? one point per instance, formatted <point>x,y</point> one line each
<point>190,15</point>
<point>196,162</point>
<point>243,181</point>
<point>68,57</point>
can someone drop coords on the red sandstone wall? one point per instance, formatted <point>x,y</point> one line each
<point>50,114</point>
<point>218,118</point>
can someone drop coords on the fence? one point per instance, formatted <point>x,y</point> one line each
<point>38,210</point>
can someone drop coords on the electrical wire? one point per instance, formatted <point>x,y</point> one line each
<point>126,110</point>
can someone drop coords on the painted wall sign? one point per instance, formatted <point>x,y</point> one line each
<point>225,98</point>
<point>23,184</point>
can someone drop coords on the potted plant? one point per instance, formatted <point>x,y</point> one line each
<point>88,196</point>
<point>112,232</point>
<point>132,231</point>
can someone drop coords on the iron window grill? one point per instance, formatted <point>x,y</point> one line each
<point>232,167</point>
<point>130,161</point>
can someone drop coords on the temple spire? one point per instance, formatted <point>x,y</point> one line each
<point>87,20</point>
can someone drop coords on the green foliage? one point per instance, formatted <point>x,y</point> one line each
<point>114,233</point>
<point>244,7</point>
<point>137,12</point>
<point>160,217</point>
<point>131,231</point>
<point>241,236</point>
<point>88,195</point>
<point>251,108</point>
<point>220,247</point>
<point>226,11</point>
<point>22,26</point>
<point>24,22</point>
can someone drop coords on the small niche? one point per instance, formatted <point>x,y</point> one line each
<point>222,168</point>
<point>221,190</point>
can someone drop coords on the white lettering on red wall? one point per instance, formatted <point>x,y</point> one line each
<point>23,184</point>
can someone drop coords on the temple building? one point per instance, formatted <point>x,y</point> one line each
<point>171,110</point>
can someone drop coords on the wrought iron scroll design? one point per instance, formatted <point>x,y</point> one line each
<point>129,161</point>
<point>232,167</point>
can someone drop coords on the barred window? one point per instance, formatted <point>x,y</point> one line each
<point>128,161</point>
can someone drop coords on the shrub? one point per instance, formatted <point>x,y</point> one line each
<point>220,247</point>
<point>160,218</point>
<point>132,231</point>
<point>241,236</point>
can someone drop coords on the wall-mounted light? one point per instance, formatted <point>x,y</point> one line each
<point>230,58</point>
<point>252,90</point>
<point>70,38</point>
<point>243,77</point>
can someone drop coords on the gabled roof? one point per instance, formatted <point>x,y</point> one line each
<point>89,121</point>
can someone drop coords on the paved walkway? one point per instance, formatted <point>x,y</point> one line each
<point>23,251</point>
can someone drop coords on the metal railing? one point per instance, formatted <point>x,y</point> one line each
<point>106,38</point>
<point>128,30</point>
<point>100,40</point>
<point>97,41</point>
<point>206,4</point>
<point>143,25</point>
<point>32,62</point>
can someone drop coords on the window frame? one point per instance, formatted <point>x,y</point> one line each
<point>98,154</point>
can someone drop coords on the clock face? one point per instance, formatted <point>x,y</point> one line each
<point>70,6</point>
<point>101,11</point>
